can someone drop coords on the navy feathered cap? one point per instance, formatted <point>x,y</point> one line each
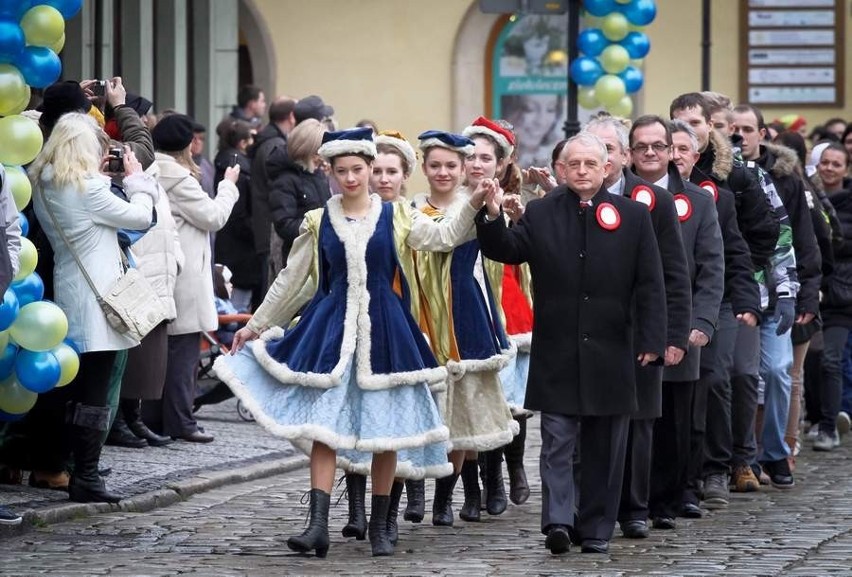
<point>455,142</point>
<point>348,142</point>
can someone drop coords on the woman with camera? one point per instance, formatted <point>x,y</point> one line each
<point>79,214</point>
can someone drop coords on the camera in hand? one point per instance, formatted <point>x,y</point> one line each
<point>116,160</point>
<point>99,87</point>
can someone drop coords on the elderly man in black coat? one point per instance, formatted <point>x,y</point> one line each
<point>596,275</point>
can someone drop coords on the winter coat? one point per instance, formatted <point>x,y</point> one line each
<point>196,216</point>
<point>90,220</point>
<point>591,287</point>
<point>294,192</point>
<point>268,143</point>
<point>839,313</point>
<point>135,134</point>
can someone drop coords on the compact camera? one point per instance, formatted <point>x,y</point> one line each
<point>99,87</point>
<point>116,160</point>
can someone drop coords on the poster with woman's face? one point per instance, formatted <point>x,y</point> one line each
<point>530,82</point>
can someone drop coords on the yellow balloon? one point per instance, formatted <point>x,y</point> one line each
<point>40,326</point>
<point>69,362</point>
<point>614,58</point>
<point>615,26</point>
<point>20,140</point>
<point>609,89</point>
<point>4,340</point>
<point>28,259</point>
<point>59,44</point>
<point>622,108</point>
<point>14,398</point>
<point>19,184</point>
<point>586,97</point>
<point>13,89</point>
<point>43,25</point>
<point>624,1</point>
<point>637,62</point>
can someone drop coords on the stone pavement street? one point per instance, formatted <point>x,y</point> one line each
<point>240,529</point>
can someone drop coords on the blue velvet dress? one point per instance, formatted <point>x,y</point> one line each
<point>354,372</point>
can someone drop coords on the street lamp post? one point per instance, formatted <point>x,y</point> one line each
<point>572,123</point>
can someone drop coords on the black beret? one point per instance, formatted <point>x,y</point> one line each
<point>61,98</point>
<point>173,132</point>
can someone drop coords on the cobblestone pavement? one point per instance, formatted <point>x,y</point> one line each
<point>240,530</point>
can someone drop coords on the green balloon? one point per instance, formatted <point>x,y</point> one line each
<point>4,339</point>
<point>69,363</point>
<point>615,26</point>
<point>614,58</point>
<point>19,183</point>
<point>43,25</point>
<point>586,97</point>
<point>14,398</point>
<point>609,89</point>
<point>13,89</point>
<point>20,140</point>
<point>28,259</point>
<point>622,108</point>
<point>40,326</point>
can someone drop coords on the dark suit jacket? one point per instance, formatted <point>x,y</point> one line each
<point>590,286</point>
<point>702,240</point>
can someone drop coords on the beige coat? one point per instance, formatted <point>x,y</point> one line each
<point>196,216</point>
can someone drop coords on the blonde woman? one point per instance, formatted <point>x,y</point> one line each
<point>196,216</point>
<point>71,192</point>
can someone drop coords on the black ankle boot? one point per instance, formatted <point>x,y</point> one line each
<point>472,495</point>
<point>121,436</point>
<point>393,511</point>
<point>442,506</point>
<point>415,493</point>
<point>88,425</point>
<point>379,539</point>
<point>519,489</point>
<point>132,410</point>
<point>496,501</point>
<point>315,537</point>
<point>356,489</point>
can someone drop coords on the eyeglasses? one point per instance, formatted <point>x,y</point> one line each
<point>641,147</point>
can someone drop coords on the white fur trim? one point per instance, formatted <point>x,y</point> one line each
<point>523,341</point>
<point>334,148</point>
<point>518,411</point>
<point>486,442</point>
<point>404,469</point>
<point>436,143</point>
<point>403,146</point>
<point>502,141</point>
<point>457,369</point>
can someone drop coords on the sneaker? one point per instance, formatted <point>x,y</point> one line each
<point>843,422</point>
<point>9,517</point>
<point>825,441</point>
<point>716,492</point>
<point>812,433</point>
<point>743,480</point>
<point>779,474</point>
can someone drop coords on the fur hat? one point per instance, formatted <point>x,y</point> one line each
<point>440,139</point>
<point>173,133</point>
<point>398,141</point>
<point>504,137</point>
<point>61,98</point>
<point>348,142</point>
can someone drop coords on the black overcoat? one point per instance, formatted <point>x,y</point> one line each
<point>585,281</point>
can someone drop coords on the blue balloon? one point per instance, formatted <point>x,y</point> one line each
<point>72,344</point>
<point>585,71</point>
<point>599,7</point>
<point>68,8</point>
<point>633,79</point>
<point>592,41</point>
<point>24,222</point>
<point>640,12</point>
<point>12,40</point>
<point>9,417</point>
<point>29,289</point>
<point>7,360</point>
<point>14,9</point>
<point>9,309</point>
<point>40,66</point>
<point>38,372</point>
<point>637,44</point>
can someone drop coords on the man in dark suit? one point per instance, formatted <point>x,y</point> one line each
<point>596,275</point>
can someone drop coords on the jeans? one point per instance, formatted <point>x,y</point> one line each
<point>835,339</point>
<point>776,359</point>
<point>846,403</point>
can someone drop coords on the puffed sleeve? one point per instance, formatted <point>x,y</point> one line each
<point>428,235</point>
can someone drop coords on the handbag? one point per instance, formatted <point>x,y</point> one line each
<point>131,305</point>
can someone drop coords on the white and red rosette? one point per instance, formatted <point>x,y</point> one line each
<point>608,216</point>
<point>644,194</point>
<point>683,206</point>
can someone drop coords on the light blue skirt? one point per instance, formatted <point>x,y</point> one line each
<point>514,379</point>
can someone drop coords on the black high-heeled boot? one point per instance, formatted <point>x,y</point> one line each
<point>356,490</point>
<point>315,537</point>
<point>496,501</point>
<point>519,489</point>
<point>88,425</point>
<point>379,539</point>
<point>415,493</point>
<point>393,511</point>
<point>442,505</point>
<point>472,495</point>
<point>132,410</point>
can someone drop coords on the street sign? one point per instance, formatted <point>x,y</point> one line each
<point>524,6</point>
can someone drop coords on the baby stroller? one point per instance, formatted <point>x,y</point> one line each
<point>210,389</point>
